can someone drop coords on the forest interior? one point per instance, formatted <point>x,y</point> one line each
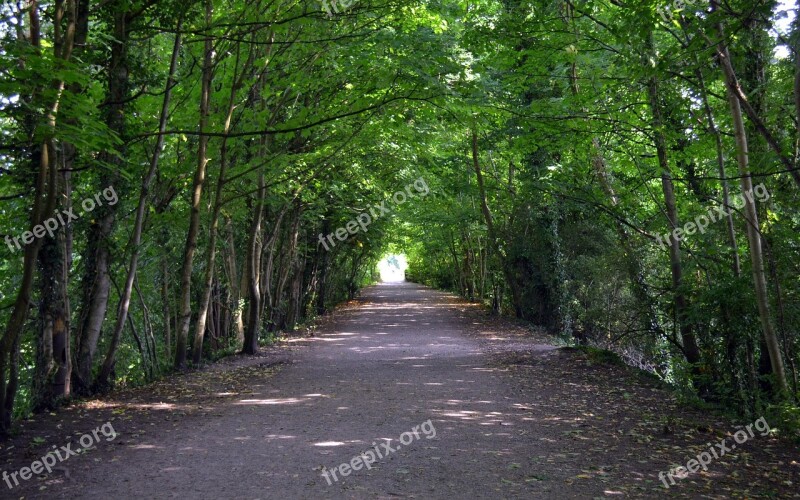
<point>547,243</point>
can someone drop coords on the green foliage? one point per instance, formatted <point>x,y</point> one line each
<point>339,114</point>
<point>784,419</point>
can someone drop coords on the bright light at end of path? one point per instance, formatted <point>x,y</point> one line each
<point>393,268</point>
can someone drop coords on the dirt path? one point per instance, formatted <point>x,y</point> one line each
<point>497,414</point>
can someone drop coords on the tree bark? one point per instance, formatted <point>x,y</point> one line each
<point>53,358</point>
<point>690,348</point>
<point>211,251</point>
<point>44,201</point>
<point>733,87</point>
<point>487,216</point>
<point>185,313</point>
<point>253,326</point>
<point>97,256</point>
<point>236,283</point>
<point>751,218</point>
<point>102,380</point>
<point>51,376</point>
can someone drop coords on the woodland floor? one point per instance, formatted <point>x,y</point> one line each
<point>514,418</point>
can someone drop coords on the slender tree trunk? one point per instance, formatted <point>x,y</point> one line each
<point>102,381</point>
<point>690,348</point>
<point>185,313</point>
<point>493,242</point>
<point>50,381</point>
<point>253,326</point>
<point>97,260</point>
<point>237,283</point>
<point>44,200</point>
<point>324,260</point>
<point>54,360</point>
<point>287,265</point>
<point>294,308</point>
<point>208,280</point>
<point>457,268</point>
<point>9,343</point>
<point>732,341</point>
<point>273,297</point>
<point>211,251</point>
<point>150,340</point>
<point>751,218</point>
<point>52,342</point>
<point>167,311</point>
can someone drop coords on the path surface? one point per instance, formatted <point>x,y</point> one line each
<point>401,356</point>
<point>393,363</point>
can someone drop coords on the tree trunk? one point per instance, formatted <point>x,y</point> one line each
<point>102,380</point>
<point>53,364</point>
<point>690,348</point>
<point>287,266</point>
<point>751,218</point>
<point>236,283</point>
<point>211,251</point>
<point>44,201</point>
<point>166,299</point>
<point>97,260</point>
<point>253,326</point>
<point>511,279</point>
<point>185,313</point>
<point>53,358</point>
<point>322,281</point>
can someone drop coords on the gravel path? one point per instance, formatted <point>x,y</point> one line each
<point>410,380</point>
<point>394,362</point>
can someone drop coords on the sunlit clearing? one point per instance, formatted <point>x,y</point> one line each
<point>393,268</point>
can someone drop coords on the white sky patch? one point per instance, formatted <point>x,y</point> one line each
<point>393,268</point>
<point>783,17</point>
